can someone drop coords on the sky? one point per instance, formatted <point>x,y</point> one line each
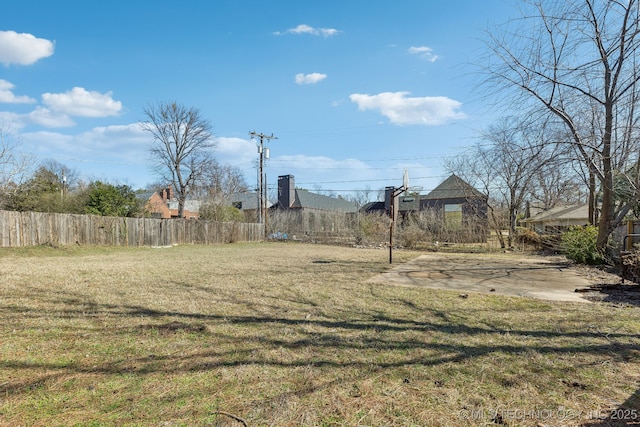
<point>355,91</point>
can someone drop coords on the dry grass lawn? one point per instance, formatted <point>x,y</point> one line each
<point>284,334</point>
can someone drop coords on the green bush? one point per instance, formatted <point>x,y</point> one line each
<point>579,244</point>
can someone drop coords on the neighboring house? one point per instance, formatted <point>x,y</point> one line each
<point>461,209</point>
<point>456,200</point>
<point>304,212</point>
<point>247,202</point>
<point>163,204</point>
<point>558,219</point>
<point>292,198</point>
<point>456,207</point>
<point>374,207</point>
<point>453,198</point>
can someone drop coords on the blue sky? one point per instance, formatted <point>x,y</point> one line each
<point>355,90</point>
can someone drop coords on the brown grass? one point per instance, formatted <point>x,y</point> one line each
<point>283,334</point>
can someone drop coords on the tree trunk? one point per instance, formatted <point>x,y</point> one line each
<point>607,214</point>
<point>497,228</point>
<point>592,197</point>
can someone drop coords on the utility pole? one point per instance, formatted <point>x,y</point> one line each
<point>262,179</point>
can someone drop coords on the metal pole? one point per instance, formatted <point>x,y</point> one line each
<point>266,207</point>
<point>261,190</point>
<point>391,224</point>
<point>395,192</point>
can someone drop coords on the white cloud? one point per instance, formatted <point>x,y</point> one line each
<point>11,120</point>
<point>80,102</point>
<point>308,79</point>
<point>47,143</point>
<point>120,137</point>
<point>306,29</point>
<point>125,144</point>
<point>7,96</point>
<point>424,52</point>
<point>403,110</point>
<point>51,119</point>
<point>119,142</point>
<point>235,150</point>
<point>23,48</point>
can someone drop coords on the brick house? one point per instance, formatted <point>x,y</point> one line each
<point>163,204</point>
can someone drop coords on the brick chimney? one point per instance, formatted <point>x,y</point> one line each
<point>166,194</point>
<point>286,191</point>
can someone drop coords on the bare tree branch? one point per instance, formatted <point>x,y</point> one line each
<point>576,60</point>
<point>182,147</point>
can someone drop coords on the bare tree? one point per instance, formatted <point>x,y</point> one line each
<point>361,197</point>
<point>12,162</point>
<point>222,180</point>
<point>505,165</point>
<point>219,183</point>
<point>557,184</point>
<point>182,148</point>
<point>576,60</point>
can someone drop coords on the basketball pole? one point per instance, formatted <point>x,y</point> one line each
<point>392,211</point>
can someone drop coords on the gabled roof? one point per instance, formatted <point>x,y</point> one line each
<point>561,213</point>
<point>307,199</point>
<point>453,187</point>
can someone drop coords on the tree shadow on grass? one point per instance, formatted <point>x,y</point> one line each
<point>615,293</point>
<point>371,333</point>
<point>317,341</point>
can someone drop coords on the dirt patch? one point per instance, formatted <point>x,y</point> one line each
<point>175,327</point>
<point>549,278</point>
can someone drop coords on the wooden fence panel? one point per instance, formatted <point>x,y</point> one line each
<point>37,228</point>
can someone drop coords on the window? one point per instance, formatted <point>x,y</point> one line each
<point>453,215</point>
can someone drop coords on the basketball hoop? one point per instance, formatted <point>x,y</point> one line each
<point>405,181</point>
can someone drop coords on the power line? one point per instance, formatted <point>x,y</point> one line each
<point>368,180</point>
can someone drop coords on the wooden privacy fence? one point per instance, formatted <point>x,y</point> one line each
<point>36,228</point>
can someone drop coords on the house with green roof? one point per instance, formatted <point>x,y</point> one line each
<point>302,211</point>
<point>292,198</point>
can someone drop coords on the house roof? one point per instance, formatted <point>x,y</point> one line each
<point>373,206</point>
<point>248,200</point>
<point>307,199</point>
<point>453,187</point>
<point>561,213</point>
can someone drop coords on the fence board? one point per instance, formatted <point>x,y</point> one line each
<point>37,228</point>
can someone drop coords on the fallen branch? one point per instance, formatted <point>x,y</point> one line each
<point>235,417</point>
